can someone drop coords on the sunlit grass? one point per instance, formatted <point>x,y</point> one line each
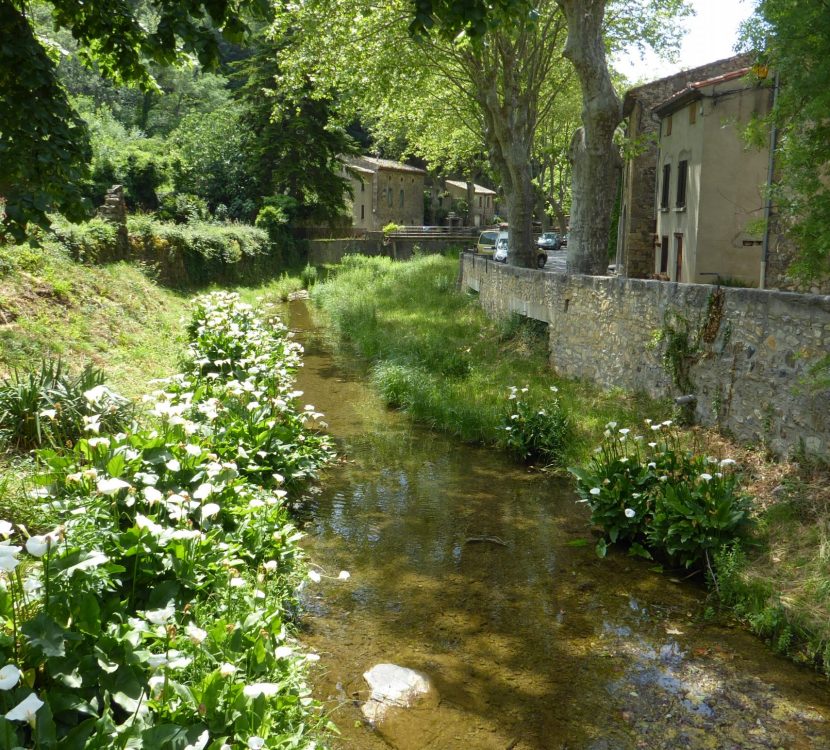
<point>437,355</point>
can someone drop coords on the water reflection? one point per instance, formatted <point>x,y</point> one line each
<point>464,566</point>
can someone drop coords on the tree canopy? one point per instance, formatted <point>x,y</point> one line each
<point>44,144</point>
<point>793,38</point>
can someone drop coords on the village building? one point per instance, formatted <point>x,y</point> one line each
<point>384,192</point>
<point>483,207</point>
<point>638,216</point>
<point>711,185</point>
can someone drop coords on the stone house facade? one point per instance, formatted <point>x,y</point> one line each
<point>384,192</point>
<point>637,225</point>
<point>484,200</point>
<point>710,193</point>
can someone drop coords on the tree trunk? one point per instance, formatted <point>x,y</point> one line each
<point>471,209</point>
<point>594,156</point>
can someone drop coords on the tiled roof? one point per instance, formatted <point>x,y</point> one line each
<point>692,90</point>
<point>479,189</point>
<point>389,164</point>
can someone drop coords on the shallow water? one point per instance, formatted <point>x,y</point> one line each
<point>530,640</point>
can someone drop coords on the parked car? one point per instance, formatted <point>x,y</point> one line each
<point>486,244</point>
<point>500,254</point>
<point>549,241</point>
<point>564,240</point>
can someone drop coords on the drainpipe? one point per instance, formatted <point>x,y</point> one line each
<point>773,143</point>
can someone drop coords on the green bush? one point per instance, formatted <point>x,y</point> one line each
<point>50,406</point>
<point>159,612</point>
<point>183,208</point>
<point>199,252</point>
<point>90,242</point>
<point>658,496</point>
<point>535,431</point>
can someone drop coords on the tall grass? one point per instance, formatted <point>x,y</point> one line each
<point>437,356</point>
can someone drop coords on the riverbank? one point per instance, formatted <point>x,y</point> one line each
<point>436,355</point>
<point>174,592</point>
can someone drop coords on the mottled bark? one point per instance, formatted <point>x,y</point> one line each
<point>595,158</point>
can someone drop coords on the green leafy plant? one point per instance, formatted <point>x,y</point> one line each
<point>158,613</point>
<point>536,431</point>
<point>659,496</point>
<point>51,406</point>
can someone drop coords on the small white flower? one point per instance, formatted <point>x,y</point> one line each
<point>595,491</point>
<point>152,495</point>
<point>237,583</point>
<point>554,389</point>
<point>630,513</point>
<point>5,529</point>
<point>209,510</point>
<point>344,575</point>
<point>96,441</point>
<point>267,689</point>
<point>314,576</point>
<point>193,450</point>
<point>611,426</point>
<point>652,445</point>
<point>227,669</point>
<point>111,485</point>
<point>256,743</point>
<point>705,476</point>
<point>728,462</point>
<point>38,546</point>
<point>651,465</point>
<point>312,657</point>
<point>667,423</point>
<point>9,677</point>
<point>26,709</point>
<point>196,634</point>
<point>624,431</point>
<point>160,616</point>
<point>173,465</point>
<point>48,413</point>
<point>203,491</point>
<point>283,652</point>
<point>270,565</point>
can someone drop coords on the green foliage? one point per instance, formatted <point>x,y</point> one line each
<point>390,227</point>
<point>293,142</point>
<point>792,37</point>
<point>50,406</point>
<point>536,431</point>
<point>200,252</point>
<point>662,497</point>
<point>308,276</point>
<point>681,350</point>
<point>183,208</point>
<point>89,242</point>
<point>213,161</point>
<point>44,145</point>
<point>159,612</point>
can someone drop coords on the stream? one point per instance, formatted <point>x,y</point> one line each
<point>531,641</point>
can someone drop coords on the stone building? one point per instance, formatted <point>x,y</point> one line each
<point>710,185</point>
<point>384,192</point>
<point>483,208</point>
<point>637,225</point>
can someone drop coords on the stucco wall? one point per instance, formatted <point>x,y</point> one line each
<point>635,254</point>
<point>756,345</point>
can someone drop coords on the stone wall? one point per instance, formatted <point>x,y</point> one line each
<point>755,346</point>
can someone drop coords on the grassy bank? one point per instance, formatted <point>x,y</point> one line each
<point>434,354</point>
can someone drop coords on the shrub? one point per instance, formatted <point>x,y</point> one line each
<point>308,276</point>
<point>199,252</point>
<point>90,242</point>
<point>50,406</point>
<point>536,431</point>
<point>658,496</point>
<point>183,208</point>
<point>158,614</point>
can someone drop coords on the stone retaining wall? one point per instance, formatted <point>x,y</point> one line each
<point>754,347</point>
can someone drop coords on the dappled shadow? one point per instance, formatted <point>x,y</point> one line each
<point>481,574</point>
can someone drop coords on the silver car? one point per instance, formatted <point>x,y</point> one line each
<point>500,254</point>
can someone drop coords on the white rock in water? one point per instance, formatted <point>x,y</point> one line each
<point>393,687</point>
